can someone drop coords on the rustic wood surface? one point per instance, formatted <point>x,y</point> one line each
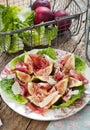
<point>13,121</point>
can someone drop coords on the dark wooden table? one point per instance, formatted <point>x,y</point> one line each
<point>13,121</point>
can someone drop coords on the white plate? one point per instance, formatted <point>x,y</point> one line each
<point>55,114</point>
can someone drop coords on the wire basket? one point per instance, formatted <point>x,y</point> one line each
<point>26,37</point>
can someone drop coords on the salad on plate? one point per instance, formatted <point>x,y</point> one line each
<point>44,79</point>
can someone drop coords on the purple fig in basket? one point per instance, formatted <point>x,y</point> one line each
<point>38,3</point>
<point>43,14</point>
<point>65,24</point>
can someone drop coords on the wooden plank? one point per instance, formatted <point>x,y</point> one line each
<point>73,42</point>
<point>11,120</point>
<point>82,4</point>
<point>38,125</point>
<point>80,50</point>
<point>85,2</point>
<point>5,58</point>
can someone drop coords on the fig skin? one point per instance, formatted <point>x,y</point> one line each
<point>38,3</point>
<point>65,24</point>
<point>43,14</point>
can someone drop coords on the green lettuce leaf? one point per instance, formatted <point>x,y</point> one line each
<point>72,99</point>
<point>79,64</point>
<point>1,10</point>
<point>15,60</point>
<point>50,34</point>
<point>6,85</point>
<point>48,51</point>
<point>11,21</point>
<point>29,17</point>
<point>9,15</point>
<point>16,44</point>
<point>11,43</point>
<point>33,37</point>
<point>2,45</point>
<point>14,18</point>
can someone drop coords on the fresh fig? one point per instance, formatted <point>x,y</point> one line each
<point>38,3</point>
<point>46,71</point>
<point>70,64</point>
<point>65,24</point>
<point>61,86</point>
<point>23,76</point>
<point>74,82</point>
<point>28,61</point>
<point>43,14</point>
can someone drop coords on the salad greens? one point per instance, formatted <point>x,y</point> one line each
<point>48,51</point>
<point>51,33</point>
<point>79,64</point>
<point>72,99</point>
<point>1,27</point>
<point>1,10</point>
<point>14,18</point>
<point>5,85</point>
<point>9,16</point>
<point>11,21</point>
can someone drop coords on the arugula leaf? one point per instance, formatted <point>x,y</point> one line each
<point>6,86</point>
<point>79,64</point>
<point>48,51</point>
<point>73,98</point>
